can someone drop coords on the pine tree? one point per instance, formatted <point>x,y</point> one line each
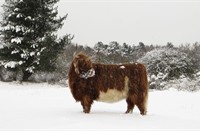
<point>99,47</point>
<point>28,32</point>
<point>114,52</point>
<point>126,50</point>
<point>114,48</point>
<point>101,52</point>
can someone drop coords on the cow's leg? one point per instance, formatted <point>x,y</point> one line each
<point>86,103</point>
<point>142,109</point>
<point>130,105</point>
<point>142,104</point>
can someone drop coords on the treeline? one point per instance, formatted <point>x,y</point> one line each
<point>168,66</point>
<point>164,63</point>
<point>185,58</point>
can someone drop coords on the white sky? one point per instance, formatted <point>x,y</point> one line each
<point>151,22</point>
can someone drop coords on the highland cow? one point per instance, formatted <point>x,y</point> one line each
<point>108,83</point>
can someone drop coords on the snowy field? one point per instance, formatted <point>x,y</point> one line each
<point>51,107</point>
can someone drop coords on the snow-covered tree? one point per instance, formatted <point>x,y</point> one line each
<point>167,63</point>
<point>114,48</point>
<point>100,52</point>
<point>99,47</point>
<point>126,50</point>
<point>193,50</point>
<point>28,33</point>
<point>114,52</point>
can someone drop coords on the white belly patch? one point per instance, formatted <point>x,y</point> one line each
<point>114,95</point>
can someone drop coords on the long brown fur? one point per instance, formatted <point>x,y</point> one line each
<point>108,77</point>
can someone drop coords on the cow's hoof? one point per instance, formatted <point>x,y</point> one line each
<point>86,112</point>
<point>143,113</point>
<point>129,112</point>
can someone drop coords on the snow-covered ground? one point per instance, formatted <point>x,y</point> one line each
<point>44,107</point>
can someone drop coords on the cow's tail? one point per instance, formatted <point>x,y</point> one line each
<point>145,88</point>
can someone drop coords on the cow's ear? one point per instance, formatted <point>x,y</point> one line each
<point>74,54</point>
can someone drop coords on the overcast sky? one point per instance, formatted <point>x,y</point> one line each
<point>151,22</point>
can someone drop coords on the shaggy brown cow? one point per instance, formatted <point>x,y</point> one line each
<point>108,83</point>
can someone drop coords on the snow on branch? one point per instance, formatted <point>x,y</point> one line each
<point>19,15</point>
<point>11,64</point>
<point>30,69</point>
<point>16,9</point>
<point>8,27</point>
<point>15,51</point>
<point>17,40</point>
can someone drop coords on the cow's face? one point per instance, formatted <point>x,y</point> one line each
<point>82,63</point>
